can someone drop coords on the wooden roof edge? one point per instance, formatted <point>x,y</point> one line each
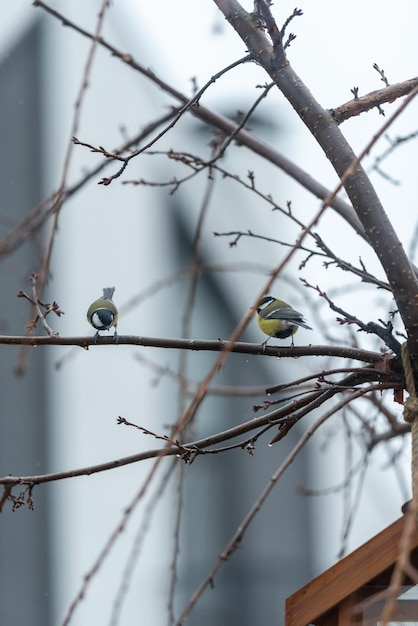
<point>342,579</point>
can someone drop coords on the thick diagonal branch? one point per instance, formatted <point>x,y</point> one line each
<point>320,122</point>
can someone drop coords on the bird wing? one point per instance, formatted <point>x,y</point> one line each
<point>285,313</point>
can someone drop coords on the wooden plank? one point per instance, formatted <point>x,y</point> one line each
<point>346,576</point>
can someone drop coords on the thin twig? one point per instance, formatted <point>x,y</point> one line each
<point>226,125</point>
<point>282,416</point>
<point>238,536</point>
<point>132,561</point>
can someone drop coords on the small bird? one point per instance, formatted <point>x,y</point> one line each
<point>278,319</point>
<point>103,314</point>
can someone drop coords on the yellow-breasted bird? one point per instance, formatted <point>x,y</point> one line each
<point>103,314</point>
<point>278,319</point>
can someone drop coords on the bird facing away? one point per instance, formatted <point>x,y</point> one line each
<point>103,314</point>
<point>278,319</point>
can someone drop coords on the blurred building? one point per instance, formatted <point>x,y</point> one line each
<point>60,418</point>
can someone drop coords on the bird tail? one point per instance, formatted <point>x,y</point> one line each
<point>108,292</point>
<point>303,324</point>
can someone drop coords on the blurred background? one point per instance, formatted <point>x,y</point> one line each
<point>61,414</point>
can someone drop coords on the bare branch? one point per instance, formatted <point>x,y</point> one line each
<point>237,538</point>
<point>361,192</point>
<point>373,99</point>
<point>228,126</point>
